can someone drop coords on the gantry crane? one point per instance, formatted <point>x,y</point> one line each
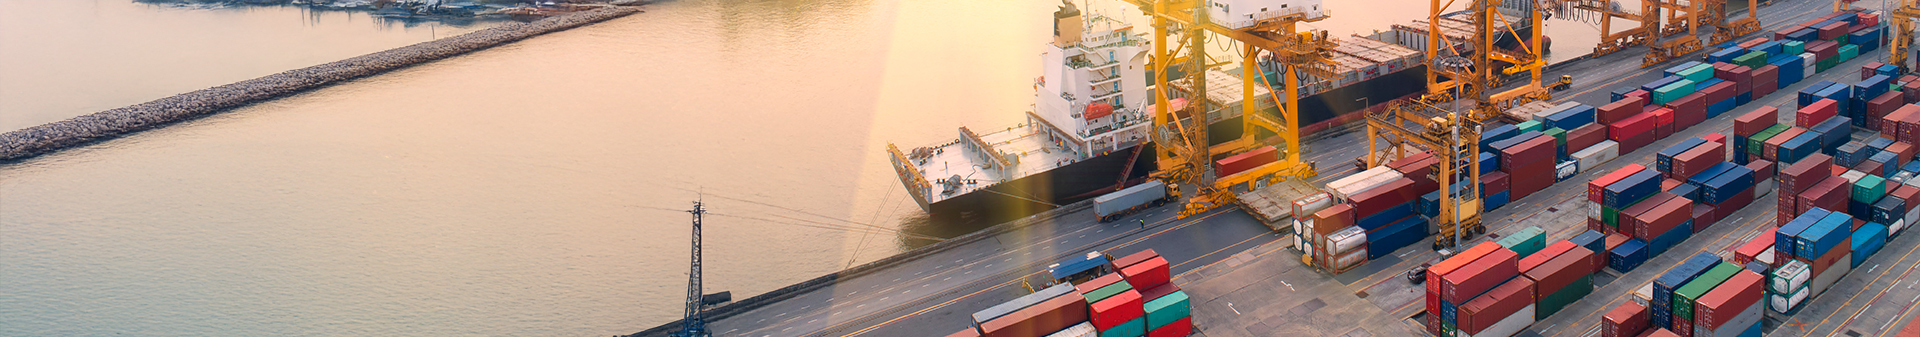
<point>1902,17</point>
<point>1724,30</point>
<point>1182,141</point>
<point>1460,99</point>
<point>1683,19</point>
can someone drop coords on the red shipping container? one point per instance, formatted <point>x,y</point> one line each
<point>1762,170</point>
<point>1128,260</point>
<point>1767,73</point>
<point>1898,114</point>
<point>1597,226</point>
<point>1098,282</point>
<point>1629,219</point>
<point>1772,146</point>
<point>1867,70</point>
<point>1662,123</point>
<point>1477,277</point>
<point>1635,142</point>
<point>1762,88</point>
<point>1755,121</point>
<point>1723,303</point>
<point>1477,315</point>
<point>1117,309</point>
<point>1662,218</point>
<point>1747,252</point>
<point>1619,110</point>
<point>1632,125</point>
<point>1703,215</point>
<point>1155,293</point>
<point>1721,92</point>
<point>1561,271</point>
<point>1333,219</point>
<point>1733,204</point>
<point>1040,319</point>
<point>1246,161</point>
<point>1586,136</point>
<point>1179,328</point>
<point>1879,107</point>
<point>1833,30</point>
<point>1871,167</point>
<point>1715,137</point>
<point>1833,256</point>
<point>1813,114</point>
<point>1146,274</point>
<point>1597,189</point>
<point>969,332</point>
<point>1799,176</point>
<point>1660,332</point>
<point>1626,320</point>
<point>1826,195</point>
<point>1689,110</point>
<point>1546,254</point>
<point>1905,150</point>
<point>1384,197</point>
<point>1907,193</point>
<point>1700,158</point>
<point>1448,266</point>
<point>1528,179</point>
<point>1493,183</point>
<point>1911,90</point>
<point>1528,152</point>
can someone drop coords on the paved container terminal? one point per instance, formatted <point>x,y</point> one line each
<point>1246,281</point>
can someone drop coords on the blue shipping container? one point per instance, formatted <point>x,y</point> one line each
<point>1656,84</point>
<point>1727,185</point>
<point>1833,132</point>
<point>1386,217</point>
<point>1799,147</point>
<point>1689,191</point>
<point>1783,239</point>
<point>1889,159</point>
<point>1495,201</point>
<point>1811,93</point>
<point>1711,172</point>
<point>1392,238</point>
<point>1626,256</point>
<point>1663,160</point>
<point>1591,240</point>
<point>1631,189</point>
<point>1489,162</point>
<point>1867,241</point>
<point>1673,237</point>
<point>1497,134</point>
<point>1664,285</point>
<point>1771,47</point>
<point>1572,118</point>
<point>1725,55</point>
<point>1823,236</point>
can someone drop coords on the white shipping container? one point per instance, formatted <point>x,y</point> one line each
<point>1784,303</point>
<point>1361,182</point>
<point>1790,276</point>
<point>1593,210</point>
<point>1894,229</point>
<point>1833,274</point>
<point>1806,60</point>
<point>1591,157</point>
<point>1766,256</point>
<point>1509,326</point>
<point>1853,176</point>
<point>1350,258</point>
<point>1913,215</point>
<point>1566,170</point>
<point>1733,327</point>
<point>1913,182</point>
<point>1346,240</point>
<point>1764,187</point>
<point>1644,294</point>
<point>1306,206</point>
<point>1084,329</point>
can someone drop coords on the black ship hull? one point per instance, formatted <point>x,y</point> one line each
<point>1060,186</point>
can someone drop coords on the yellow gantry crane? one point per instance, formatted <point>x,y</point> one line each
<point>1902,17</point>
<point>1460,99</point>
<point>1680,18</point>
<point>1181,134</point>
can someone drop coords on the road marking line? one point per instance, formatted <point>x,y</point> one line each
<point>1823,320</point>
<point>1236,312</point>
<point>1589,316</point>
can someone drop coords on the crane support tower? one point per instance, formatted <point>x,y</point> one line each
<point>695,323</point>
<point>1902,46</point>
<point>1180,133</point>
<point>1460,99</point>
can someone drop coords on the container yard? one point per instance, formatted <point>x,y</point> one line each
<point>1756,187</point>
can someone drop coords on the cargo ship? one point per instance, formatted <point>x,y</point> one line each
<point>1087,132</point>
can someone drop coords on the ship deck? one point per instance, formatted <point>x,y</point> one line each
<point>1245,281</point>
<point>1027,142</point>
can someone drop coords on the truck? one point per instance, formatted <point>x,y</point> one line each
<point>1128,201</point>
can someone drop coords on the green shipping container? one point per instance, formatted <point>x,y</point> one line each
<point>1821,66</point>
<point>1758,139</point>
<point>1552,303</point>
<point>1167,309</point>
<point>1447,329</point>
<point>1848,52</point>
<point>1530,126</point>
<point>1684,298</point>
<point>1610,216</point>
<point>1754,59</point>
<point>1526,241</point>
<point>1673,91</point>
<point>1108,291</point>
<point>1698,73</point>
<point>1869,189</point>
<point>1793,48</point>
<point>1134,328</point>
<point>1559,135</point>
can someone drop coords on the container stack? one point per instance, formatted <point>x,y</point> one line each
<point>1164,310</point>
<point>1374,213</point>
<point>1560,277</point>
<point>1702,296</point>
<point>1041,313</point>
<point>1629,202</point>
<point>1465,276</point>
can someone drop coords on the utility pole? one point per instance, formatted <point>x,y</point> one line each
<point>695,323</point>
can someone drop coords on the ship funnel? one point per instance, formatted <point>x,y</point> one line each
<point>1067,25</point>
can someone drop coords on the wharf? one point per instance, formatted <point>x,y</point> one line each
<point>1245,281</point>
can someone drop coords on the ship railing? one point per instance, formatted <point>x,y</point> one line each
<point>995,160</point>
<point>1060,136</point>
<point>1258,17</point>
<point>916,183</point>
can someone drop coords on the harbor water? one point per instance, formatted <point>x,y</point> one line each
<point>526,189</point>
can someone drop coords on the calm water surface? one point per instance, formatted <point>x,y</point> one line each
<point>528,189</point>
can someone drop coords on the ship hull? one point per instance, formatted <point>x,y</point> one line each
<point>1039,192</point>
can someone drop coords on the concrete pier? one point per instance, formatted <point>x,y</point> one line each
<point>51,137</point>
